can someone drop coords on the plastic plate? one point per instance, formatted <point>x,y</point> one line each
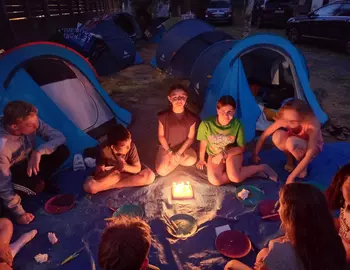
<point>129,210</point>
<point>59,204</point>
<point>233,244</point>
<point>255,195</point>
<point>187,226</point>
<point>265,208</point>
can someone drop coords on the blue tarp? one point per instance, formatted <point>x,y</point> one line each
<point>176,37</point>
<point>86,220</point>
<point>16,84</point>
<point>229,79</point>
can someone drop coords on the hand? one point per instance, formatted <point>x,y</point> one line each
<point>175,159</point>
<point>120,165</point>
<point>201,164</point>
<point>33,163</point>
<point>26,218</point>
<point>217,158</point>
<point>256,159</point>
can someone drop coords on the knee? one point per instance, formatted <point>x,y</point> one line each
<point>278,139</point>
<point>149,176</point>
<point>89,186</point>
<point>290,144</point>
<point>231,265</point>
<point>189,161</point>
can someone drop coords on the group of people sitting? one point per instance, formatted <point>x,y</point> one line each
<point>28,169</point>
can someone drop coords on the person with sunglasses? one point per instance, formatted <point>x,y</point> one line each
<point>176,133</point>
<point>222,138</point>
<point>296,132</point>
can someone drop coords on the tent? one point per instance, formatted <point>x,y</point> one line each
<point>123,20</point>
<point>229,77</point>
<point>158,28</point>
<point>106,45</point>
<point>182,62</point>
<point>64,88</point>
<point>176,37</point>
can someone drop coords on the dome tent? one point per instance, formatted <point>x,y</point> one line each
<point>64,88</point>
<point>229,78</point>
<point>175,38</point>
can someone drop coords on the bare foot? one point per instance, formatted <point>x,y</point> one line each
<point>22,241</point>
<point>271,173</point>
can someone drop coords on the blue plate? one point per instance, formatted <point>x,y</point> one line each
<point>129,210</point>
<point>254,197</point>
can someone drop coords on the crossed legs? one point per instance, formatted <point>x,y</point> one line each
<point>164,166</point>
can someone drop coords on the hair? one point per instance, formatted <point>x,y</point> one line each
<point>117,134</point>
<point>334,194</point>
<point>226,100</point>
<point>309,226</point>
<point>18,110</point>
<point>297,105</point>
<point>125,244</point>
<point>177,86</point>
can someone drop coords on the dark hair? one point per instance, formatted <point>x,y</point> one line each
<point>117,134</point>
<point>309,226</point>
<point>226,100</point>
<point>124,244</point>
<point>16,111</point>
<point>177,86</point>
<point>334,194</point>
<point>297,105</point>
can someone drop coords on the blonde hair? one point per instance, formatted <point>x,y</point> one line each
<point>298,105</point>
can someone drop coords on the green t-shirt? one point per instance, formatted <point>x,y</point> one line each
<point>218,137</point>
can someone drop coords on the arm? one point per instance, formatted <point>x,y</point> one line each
<point>11,200</point>
<point>132,168</point>
<point>311,152</point>
<point>161,137</point>
<point>202,149</point>
<point>268,132</point>
<point>189,141</point>
<point>53,137</point>
<point>240,142</point>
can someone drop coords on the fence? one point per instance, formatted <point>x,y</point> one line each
<point>31,20</point>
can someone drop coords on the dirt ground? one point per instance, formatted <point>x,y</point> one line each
<point>142,90</point>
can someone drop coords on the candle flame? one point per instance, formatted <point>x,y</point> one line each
<point>182,190</point>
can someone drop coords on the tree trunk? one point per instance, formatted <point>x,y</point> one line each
<point>248,18</point>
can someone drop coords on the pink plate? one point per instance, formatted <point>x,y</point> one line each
<point>233,244</point>
<point>60,203</point>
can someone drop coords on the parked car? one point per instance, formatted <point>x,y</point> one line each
<point>273,12</point>
<point>219,11</point>
<point>330,22</point>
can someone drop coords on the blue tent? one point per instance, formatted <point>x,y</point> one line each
<point>175,38</point>
<point>229,78</point>
<point>64,88</point>
<point>183,61</point>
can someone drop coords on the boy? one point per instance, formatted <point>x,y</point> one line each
<point>118,164</point>
<point>125,245</point>
<point>23,166</point>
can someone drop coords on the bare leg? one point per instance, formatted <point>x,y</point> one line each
<point>236,265</point>
<point>118,180</point>
<point>236,173</point>
<point>22,241</point>
<point>297,147</point>
<point>217,175</point>
<point>164,166</point>
<point>189,158</point>
<point>6,230</point>
<point>279,139</point>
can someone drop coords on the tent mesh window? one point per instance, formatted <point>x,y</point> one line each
<point>71,91</point>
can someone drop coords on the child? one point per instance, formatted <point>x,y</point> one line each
<point>125,245</point>
<point>222,138</point>
<point>176,133</point>
<point>311,241</point>
<point>338,196</point>
<point>9,251</point>
<point>297,133</point>
<point>118,164</point>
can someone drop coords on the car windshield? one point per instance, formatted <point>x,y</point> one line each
<point>219,4</point>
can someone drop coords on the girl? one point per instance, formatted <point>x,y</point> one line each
<point>338,196</point>
<point>176,133</point>
<point>222,138</point>
<point>311,241</point>
<point>297,133</point>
